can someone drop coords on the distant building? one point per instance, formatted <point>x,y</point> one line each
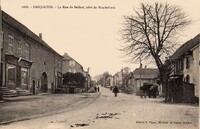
<point>184,80</point>
<point>28,63</point>
<point>140,76</point>
<point>71,65</point>
<point>88,80</point>
<point>117,79</point>
<point>109,80</point>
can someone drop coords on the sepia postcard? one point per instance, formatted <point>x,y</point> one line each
<point>99,64</point>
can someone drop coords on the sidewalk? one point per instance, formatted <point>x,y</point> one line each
<point>28,107</point>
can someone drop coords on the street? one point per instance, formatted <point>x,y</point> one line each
<point>126,111</point>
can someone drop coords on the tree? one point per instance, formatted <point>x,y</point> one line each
<point>126,70</point>
<point>152,33</point>
<point>74,79</point>
<point>167,66</point>
<point>98,77</point>
<point>105,76</point>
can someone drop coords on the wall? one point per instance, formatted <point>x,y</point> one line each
<point>44,61</point>
<point>8,30</point>
<point>77,67</point>
<point>195,70</point>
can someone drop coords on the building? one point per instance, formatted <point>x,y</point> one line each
<point>117,79</point>
<point>71,65</point>
<point>88,80</point>
<point>184,80</point>
<point>140,76</point>
<point>130,83</point>
<point>28,63</point>
<point>109,81</point>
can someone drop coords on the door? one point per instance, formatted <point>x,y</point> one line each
<point>44,87</point>
<point>33,87</point>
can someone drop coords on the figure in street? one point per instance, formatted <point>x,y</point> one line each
<point>115,91</point>
<point>95,89</point>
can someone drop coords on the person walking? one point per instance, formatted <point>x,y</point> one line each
<point>115,91</point>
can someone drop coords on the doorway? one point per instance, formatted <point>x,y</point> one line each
<point>33,84</point>
<point>44,87</point>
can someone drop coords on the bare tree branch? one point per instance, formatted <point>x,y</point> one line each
<point>150,32</point>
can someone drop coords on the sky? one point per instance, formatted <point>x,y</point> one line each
<point>90,36</point>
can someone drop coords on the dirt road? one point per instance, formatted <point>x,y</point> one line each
<point>122,112</point>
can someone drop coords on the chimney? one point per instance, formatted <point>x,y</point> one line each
<point>40,35</point>
<point>65,54</point>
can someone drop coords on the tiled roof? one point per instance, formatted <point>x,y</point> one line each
<point>185,47</point>
<point>146,73</point>
<point>6,18</point>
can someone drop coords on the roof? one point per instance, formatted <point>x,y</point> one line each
<point>67,57</point>
<point>186,47</point>
<point>6,18</point>
<point>146,73</point>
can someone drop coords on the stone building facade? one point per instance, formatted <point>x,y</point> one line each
<point>28,62</point>
<point>117,79</point>
<point>140,76</point>
<point>184,79</point>
<point>71,65</point>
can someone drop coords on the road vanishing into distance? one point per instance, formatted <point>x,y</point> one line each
<point>126,111</point>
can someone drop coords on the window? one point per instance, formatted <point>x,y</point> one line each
<point>187,63</point>
<point>2,39</point>
<point>59,79</point>
<point>56,63</point>
<point>24,76</point>
<point>38,84</point>
<point>11,72</point>
<point>71,63</point>
<point>60,65</point>
<point>181,64</point>
<point>176,66</point>
<point>19,48</point>
<point>70,70</point>
<point>10,44</point>
<point>26,51</point>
